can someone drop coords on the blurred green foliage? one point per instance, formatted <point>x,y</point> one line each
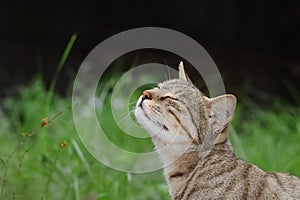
<point>34,165</point>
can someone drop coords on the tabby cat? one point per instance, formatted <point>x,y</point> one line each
<point>190,133</point>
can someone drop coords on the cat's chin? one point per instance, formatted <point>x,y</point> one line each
<point>153,128</point>
<point>159,133</point>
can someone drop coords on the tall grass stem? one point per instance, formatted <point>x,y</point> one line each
<point>59,67</point>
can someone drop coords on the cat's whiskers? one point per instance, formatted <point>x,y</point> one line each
<point>131,103</point>
<point>126,116</point>
<point>169,73</point>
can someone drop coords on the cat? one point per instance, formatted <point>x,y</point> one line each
<point>190,133</point>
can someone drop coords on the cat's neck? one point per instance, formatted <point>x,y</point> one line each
<point>178,171</point>
<point>170,152</point>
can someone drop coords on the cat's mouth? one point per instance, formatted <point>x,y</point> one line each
<point>139,103</point>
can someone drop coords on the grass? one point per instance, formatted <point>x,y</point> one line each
<point>50,162</point>
<point>35,166</point>
<point>60,65</point>
<point>39,168</point>
<point>269,138</point>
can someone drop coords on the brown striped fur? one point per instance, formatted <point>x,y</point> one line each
<point>190,133</point>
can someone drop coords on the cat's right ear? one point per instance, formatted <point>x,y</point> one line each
<point>221,111</point>
<point>182,74</point>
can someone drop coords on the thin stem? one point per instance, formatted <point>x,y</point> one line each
<point>58,70</point>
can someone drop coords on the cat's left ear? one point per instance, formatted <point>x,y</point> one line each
<point>221,111</point>
<point>182,74</point>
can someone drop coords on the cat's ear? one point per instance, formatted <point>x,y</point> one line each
<point>182,74</point>
<point>221,111</point>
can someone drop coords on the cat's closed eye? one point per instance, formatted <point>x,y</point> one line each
<point>168,97</point>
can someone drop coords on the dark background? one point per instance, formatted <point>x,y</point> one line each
<point>255,44</point>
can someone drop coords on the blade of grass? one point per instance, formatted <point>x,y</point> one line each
<point>50,176</point>
<point>3,177</point>
<point>58,70</point>
<point>76,187</point>
<point>292,90</point>
<point>81,156</point>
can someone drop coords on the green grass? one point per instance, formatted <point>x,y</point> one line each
<point>40,168</point>
<point>35,166</point>
<point>269,138</point>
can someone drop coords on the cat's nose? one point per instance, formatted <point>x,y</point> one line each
<point>147,95</point>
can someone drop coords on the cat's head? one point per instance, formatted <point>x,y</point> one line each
<point>177,112</point>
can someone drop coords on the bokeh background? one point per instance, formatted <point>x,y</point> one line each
<point>255,44</point>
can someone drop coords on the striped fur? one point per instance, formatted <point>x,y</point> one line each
<point>190,133</point>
